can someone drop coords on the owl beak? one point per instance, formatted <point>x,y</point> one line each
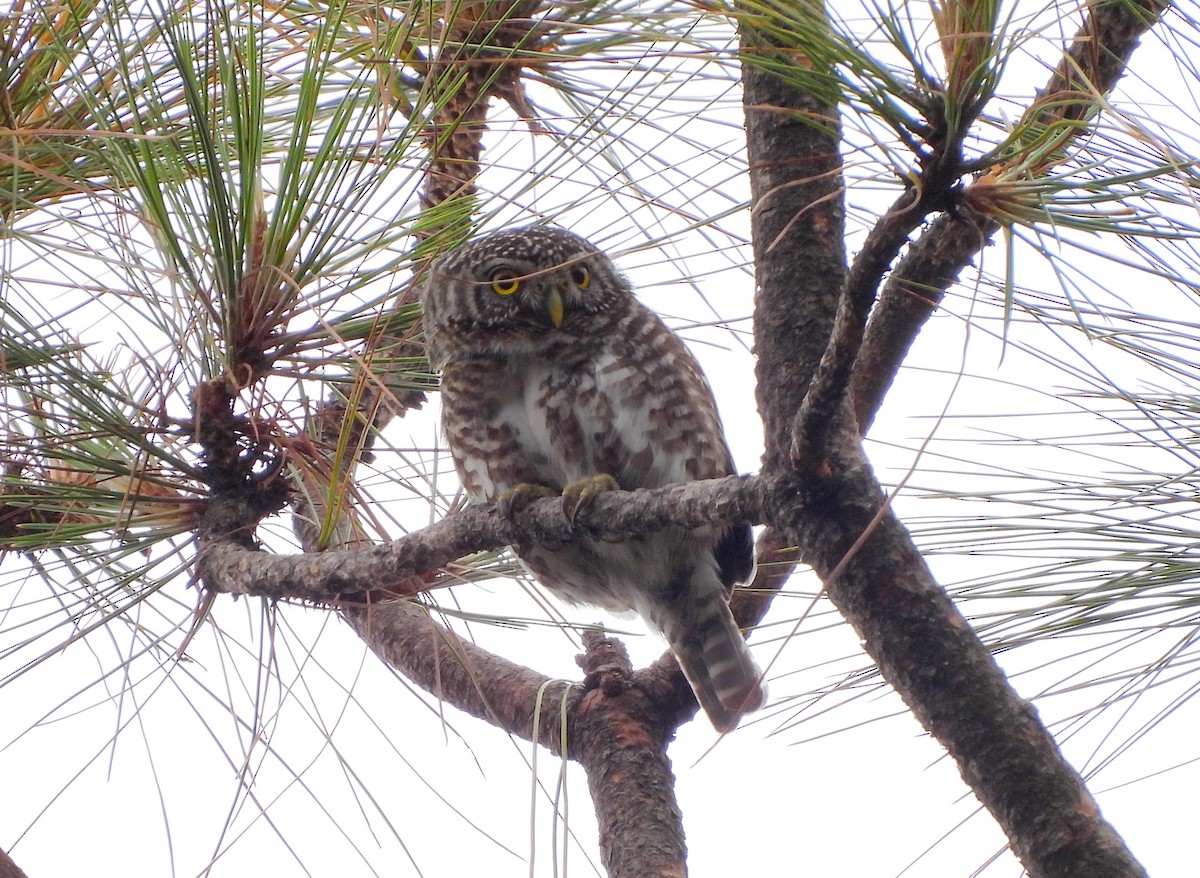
<point>554,306</point>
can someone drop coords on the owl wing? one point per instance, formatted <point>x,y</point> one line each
<point>655,423</point>
<point>649,418</point>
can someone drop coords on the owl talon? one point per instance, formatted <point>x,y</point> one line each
<point>581,494</point>
<point>512,502</point>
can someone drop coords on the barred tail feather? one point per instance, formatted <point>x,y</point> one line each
<point>718,665</point>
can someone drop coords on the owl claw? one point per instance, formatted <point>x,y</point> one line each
<point>581,494</point>
<point>512,502</point>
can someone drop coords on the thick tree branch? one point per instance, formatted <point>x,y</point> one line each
<point>9,869</point>
<point>398,567</point>
<point>834,509</point>
<point>1098,55</point>
<point>514,698</point>
<point>620,738</point>
<point>478,60</point>
<point>798,217</point>
<point>614,730</point>
<point>928,651</point>
<point>817,412</point>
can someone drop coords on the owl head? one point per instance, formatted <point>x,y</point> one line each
<point>523,290</point>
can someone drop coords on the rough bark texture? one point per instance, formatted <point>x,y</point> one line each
<point>1098,56</point>
<point>615,727</point>
<point>910,297</point>
<point>619,737</point>
<point>928,651</point>
<point>477,60</point>
<point>407,565</point>
<point>835,511</point>
<point>9,869</point>
<point>510,696</point>
<point>798,217</point>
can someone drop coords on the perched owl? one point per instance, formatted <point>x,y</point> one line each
<point>556,379</point>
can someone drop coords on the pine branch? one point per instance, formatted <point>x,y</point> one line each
<point>514,698</point>
<point>1091,67</point>
<point>399,567</point>
<point>911,295</point>
<point>618,735</point>
<point>926,649</point>
<point>798,217</point>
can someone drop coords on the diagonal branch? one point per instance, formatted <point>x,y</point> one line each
<point>940,169</point>
<point>1092,66</point>
<point>9,869</point>
<point>909,298</point>
<point>366,585</point>
<point>514,698</point>
<point>613,729</point>
<point>929,653</point>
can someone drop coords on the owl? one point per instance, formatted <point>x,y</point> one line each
<point>555,379</point>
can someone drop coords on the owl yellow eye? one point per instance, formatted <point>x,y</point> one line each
<point>581,276</point>
<point>504,282</point>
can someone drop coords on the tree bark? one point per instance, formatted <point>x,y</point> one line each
<point>830,504</point>
<point>9,869</point>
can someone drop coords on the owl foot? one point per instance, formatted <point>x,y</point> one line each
<point>581,494</point>
<point>513,501</point>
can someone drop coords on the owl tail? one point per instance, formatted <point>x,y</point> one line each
<point>717,663</point>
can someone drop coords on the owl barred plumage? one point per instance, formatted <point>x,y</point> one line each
<point>552,374</point>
